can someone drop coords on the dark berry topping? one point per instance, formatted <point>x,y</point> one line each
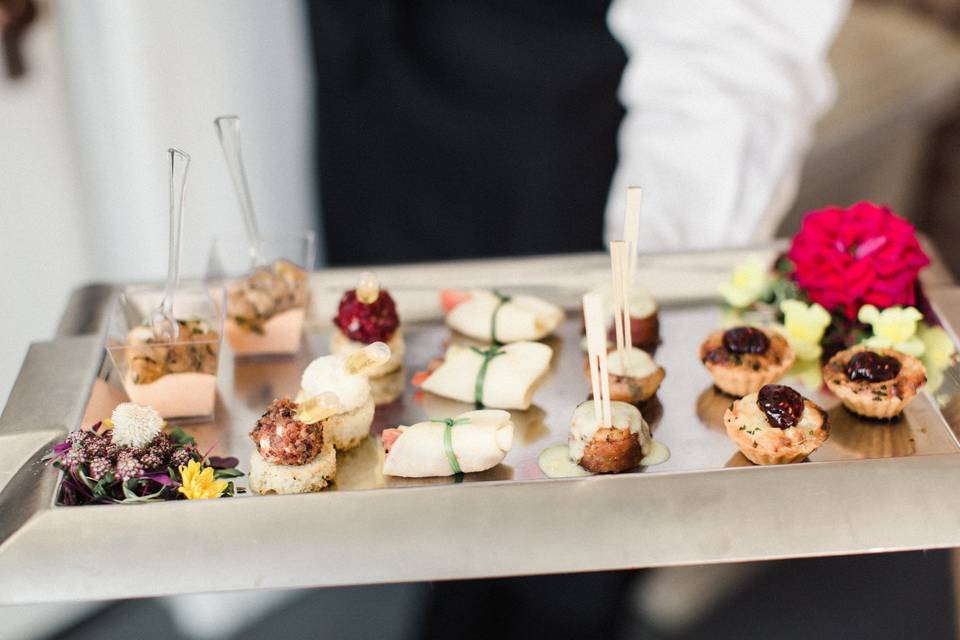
<point>872,367</point>
<point>745,340</point>
<point>782,405</point>
<point>367,323</point>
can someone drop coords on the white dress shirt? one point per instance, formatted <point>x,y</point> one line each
<point>721,98</point>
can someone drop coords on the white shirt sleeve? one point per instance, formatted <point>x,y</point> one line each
<point>721,99</point>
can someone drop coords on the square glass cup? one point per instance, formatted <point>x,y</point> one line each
<point>179,378</point>
<point>265,308</point>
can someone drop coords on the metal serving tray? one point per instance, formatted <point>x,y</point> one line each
<point>871,487</point>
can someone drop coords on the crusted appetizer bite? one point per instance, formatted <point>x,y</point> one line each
<point>634,381</point>
<point>776,425</point>
<point>473,441</point>
<point>619,447</point>
<point>498,318</point>
<point>265,311</point>
<point>345,377</point>
<point>291,455</point>
<point>875,383</point>
<point>176,378</point>
<point>743,359</point>
<point>499,377</point>
<point>366,315</point>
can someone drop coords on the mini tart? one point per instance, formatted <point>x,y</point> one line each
<point>738,374</point>
<point>635,385</point>
<point>882,400</point>
<point>267,477</point>
<point>761,442</point>
<point>341,344</point>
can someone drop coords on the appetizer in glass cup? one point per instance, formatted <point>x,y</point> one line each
<point>175,374</point>
<point>266,306</point>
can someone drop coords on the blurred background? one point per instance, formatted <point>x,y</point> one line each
<point>92,93</point>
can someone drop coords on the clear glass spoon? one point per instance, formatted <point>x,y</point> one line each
<point>228,131</point>
<point>162,320</point>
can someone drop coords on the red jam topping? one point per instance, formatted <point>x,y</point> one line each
<point>367,323</point>
<point>745,340</point>
<point>872,367</point>
<point>782,405</point>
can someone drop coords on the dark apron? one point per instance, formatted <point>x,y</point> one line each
<point>452,129</point>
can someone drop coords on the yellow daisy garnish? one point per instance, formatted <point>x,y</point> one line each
<point>748,283</point>
<point>803,326</point>
<point>893,328</point>
<point>198,483</point>
<point>938,348</point>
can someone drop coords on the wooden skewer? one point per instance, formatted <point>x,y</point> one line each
<point>618,268</point>
<point>597,356</point>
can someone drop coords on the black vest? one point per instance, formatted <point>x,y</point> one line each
<point>451,128</point>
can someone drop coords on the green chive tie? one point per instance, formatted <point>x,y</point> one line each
<point>487,354</point>
<point>503,299</point>
<point>449,424</point>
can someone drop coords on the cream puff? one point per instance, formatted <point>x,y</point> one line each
<point>776,425</point>
<point>743,359</point>
<point>875,383</point>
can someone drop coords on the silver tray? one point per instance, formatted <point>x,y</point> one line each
<point>869,488</point>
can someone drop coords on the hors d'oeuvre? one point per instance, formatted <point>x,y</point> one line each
<point>130,459</point>
<point>608,449</point>
<point>293,453</point>
<point>875,383</point>
<point>366,315</point>
<point>776,425</point>
<point>497,377</point>
<point>265,311</point>
<point>473,441</point>
<point>633,381</point>
<point>177,378</point>
<point>743,359</point>
<point>345,376</point>
<point>494,317</point>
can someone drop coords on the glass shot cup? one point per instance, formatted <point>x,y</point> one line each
<point>177,378</point>
<point>266,306</point>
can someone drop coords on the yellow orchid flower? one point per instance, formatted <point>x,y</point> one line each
<point>198,483</point>
<point>893,328</point>
<point>938,354</point>
<point>938,347</point>
<point>803,327</point>
<point>747,284</point>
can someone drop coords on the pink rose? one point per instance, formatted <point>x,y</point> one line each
<point>845,258</point>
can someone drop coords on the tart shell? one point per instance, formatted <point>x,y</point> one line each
<point>880,400</point>
<point>756,371</point>
<point>761,454</point>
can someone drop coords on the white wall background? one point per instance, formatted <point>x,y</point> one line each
<point>111,85</point>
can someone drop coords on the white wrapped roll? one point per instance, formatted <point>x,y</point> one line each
<point>510,379</point>
<point>520,318</point>
<point>479,439</point>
